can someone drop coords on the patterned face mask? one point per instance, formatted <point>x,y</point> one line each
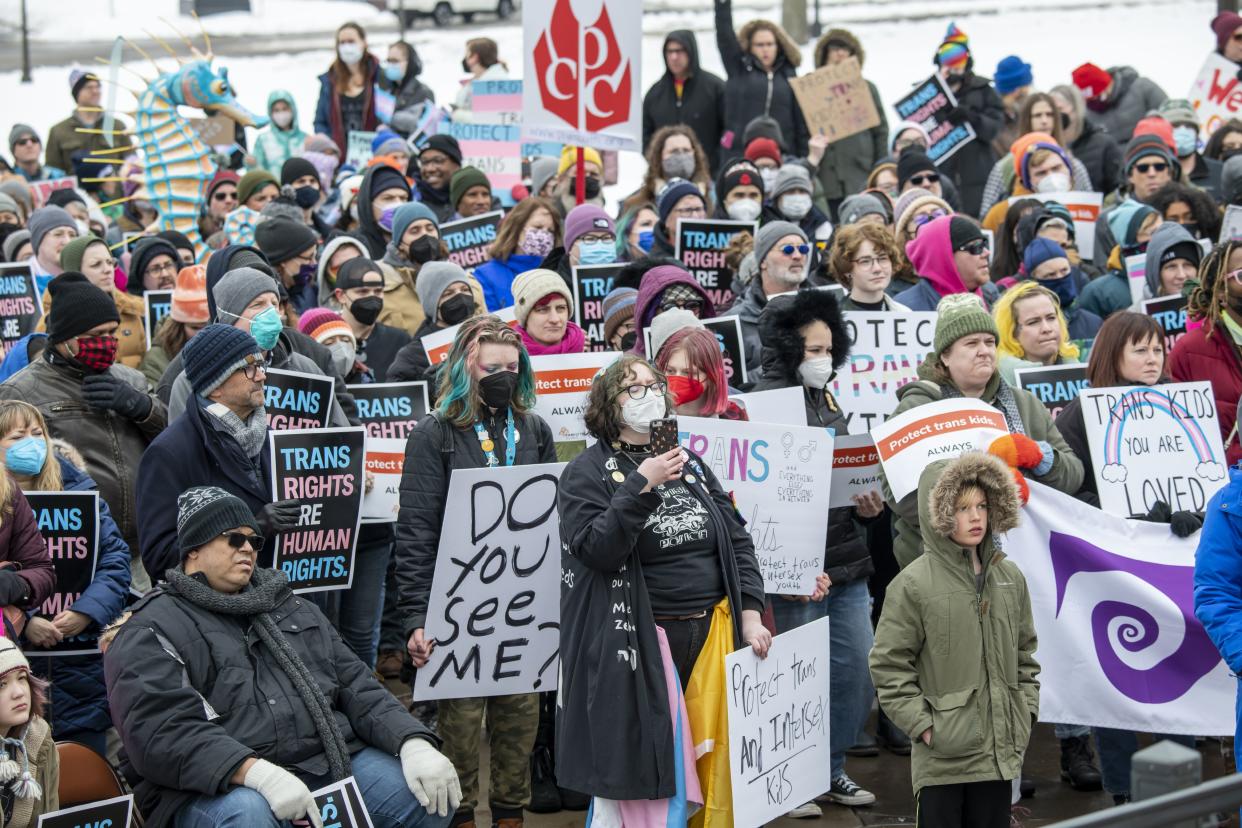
<point>96,353</point>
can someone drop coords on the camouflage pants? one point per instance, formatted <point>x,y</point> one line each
<point>511,725</point>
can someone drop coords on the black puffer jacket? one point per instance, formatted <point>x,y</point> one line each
<point>1101,155</point>
<point>701,105</point>
<point>194,693</point>
<point>971,165</point>
<point>411,362</point>
<point>846,557</point>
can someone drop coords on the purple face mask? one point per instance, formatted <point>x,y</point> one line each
<point>538,242</point>
<point>385,219</point>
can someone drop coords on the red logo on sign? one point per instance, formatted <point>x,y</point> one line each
<point>580,68</point>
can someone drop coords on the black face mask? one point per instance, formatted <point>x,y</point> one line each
<point>1227,154</point>
<point>367,309</point>
<point>457,309</point>
<point>465,67</point>
<point>592,186</point>
<point>628,340</point>
<point>497,389</point>
<point>1065,120</point>
<point>306,197</point>
<point>424,249</point>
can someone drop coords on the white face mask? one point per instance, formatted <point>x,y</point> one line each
<point>350,53</point>
<point>817,372</point>
<point>1057,182</point>
<point>282,119</point>
<point>768,174</point>
<point>795,205</point>
<point>638,414</point>
<point>343,354</point>
<point>747,209</point>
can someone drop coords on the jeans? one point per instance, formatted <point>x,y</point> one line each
<point>355,612</point>
<point>1066,731</point>
<point>1116,747</point>
<point>964,805</point>
<point>850,641</point>
<point>685,642</point>
<point>384,792</point>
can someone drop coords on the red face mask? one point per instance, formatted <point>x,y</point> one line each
<point>685,389</point>
<point>96,353</point>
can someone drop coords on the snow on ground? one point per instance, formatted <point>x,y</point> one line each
<point>1165,40</point>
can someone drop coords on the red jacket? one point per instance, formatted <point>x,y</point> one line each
<point>1200,356</point>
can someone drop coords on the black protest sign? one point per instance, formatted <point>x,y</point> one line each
<point>1053,385</point>
<point>469,240</point>
<point>106,813</point>
<point>390,410</point>
<point>19,304</point>
<point>294,399</point>
<point>728,333</point>
<point>928,105</point>
<point>591,284</point>
<point>69,524</point>
<point>340,805</point>
<point>323,469</point>
<point>1170,314</point>
<point>157,305</point>
<point>701,247</point>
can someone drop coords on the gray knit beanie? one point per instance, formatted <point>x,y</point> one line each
<point>769,234</point>
<point>237,289</point>
<point>433,278</point>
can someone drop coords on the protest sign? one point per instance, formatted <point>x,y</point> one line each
<point>700,246</point>
<point>469,240</point>
<point>1084,208</point>
<point>19,303</point>
<point>41,190</point>
<point>1170,314</point>
<point>157,304</point>
<point>389,411</point>
<point>928,105</point>
<point>340,805</point>
<point>780,478</point>
<point>940,430</point>
<point>295,399</point>
<point>783,406</point>
<point>1136,272</point>
<point>106,813</point>
<point>728,333</point>
<point>1154,443</point>
<point>358,148</point>
<point>322,468</point>
<point>495,149</point>
<point>779,754</point>
<point>1053,385</point>
<point>1231,225</point>
<point>1146,663</point>
<point>835,100</point>
<point>591,283</point>
<point>438,344</point>
<point>494,610</point>
<point>69,524</point>
<point>855,469</point>
<point>1215,93</point>
<point>562,383</point>
<point>885,355</point>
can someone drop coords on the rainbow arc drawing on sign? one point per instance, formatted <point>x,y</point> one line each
<point>1209,466</point>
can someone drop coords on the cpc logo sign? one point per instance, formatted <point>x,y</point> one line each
<point>580,68</point>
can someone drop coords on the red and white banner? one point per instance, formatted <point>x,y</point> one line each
<point>1216,93</point>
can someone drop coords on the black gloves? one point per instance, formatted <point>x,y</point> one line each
<point>13,589</point>
<point>1183,524</point>
<point>1159,513</point>
<point>108,392</point>
<point>281,516</point>
<point>956,116</point>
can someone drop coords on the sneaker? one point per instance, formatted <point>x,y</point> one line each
<point>866,747</point>
<point>845,791</point>
<point>1078,764</point>
<point>807,810</point>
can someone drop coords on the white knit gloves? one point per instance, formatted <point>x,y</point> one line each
<point>288,795</point>
<point>431,777</point>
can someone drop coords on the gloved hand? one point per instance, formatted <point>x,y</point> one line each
<point>109,392</point>
<point>1158,513</point>
<point>14,590</point>
<point>281,516</point>
<point>285,793</point>
<point>956,116</point>
<point>1017,450</point>
<point>431,777</point>
<point>1184,524</point>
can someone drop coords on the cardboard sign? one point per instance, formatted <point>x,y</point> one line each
<point>1216,93</point>
<point>1084,209</point>
<point>700,246</point>
<point>928,105</point>
<point>886,353</point>
<point>1170,313</point>
<point>941,430</point>
<point>69,524</point>
<point>591,283</point>
<point>106,813</point>
<point>780,477</point>
<point>216,130</point>
<point>41,190</point>
<point>389,411</point>
<point>1231,225</point>
<point>438,344</point>
<point>1053,385</point>
<point>19,304</point>
<point>562,384</point>
<point>1136,272</point>
<point>782,406</point>
<point>779,753</point>
<point>295,399</point>
<point>322,468</point>
<point>494,610</point>
<point>835,100</point>
<point>156,305</point>
<point>855,469</point>
<point>340,805</point>
<point>358,148</point>
<point>1157,443</point>
<point>469,240</point>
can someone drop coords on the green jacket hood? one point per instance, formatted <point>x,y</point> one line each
<point>287,97</point>
<point>942,483</point>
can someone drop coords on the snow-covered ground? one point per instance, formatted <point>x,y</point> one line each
<point>1164,39</point>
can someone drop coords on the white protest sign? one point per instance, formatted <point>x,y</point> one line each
<point>855,468</point>
<point>1084,208</point>
<point>1216,93</point>
<point>438,343</point>
<point>1231,225</point>
<point>780,477</point>
<point>779,753</point>
<point>1136,272</point>
<point>782,405</point>
<point>385,459</point>
<point>886,352</point>
<point>940,430</point>
<point>495,610</point>
<point>1157,443</point>
<point>340,805</point>
<point>562,383</point>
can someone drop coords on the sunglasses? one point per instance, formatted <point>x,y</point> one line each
<point>1157,166</point>
<point>926,218</point>
<point>21,142</point>
<point>802,249</point>
<point>224,196</point>
<point>239,539</point>
<point>975,247</point>
<point>926,178</point>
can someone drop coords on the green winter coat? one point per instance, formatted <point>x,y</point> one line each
<point>275,146</point>
<point>954,657</point>
<point>1066,473</point>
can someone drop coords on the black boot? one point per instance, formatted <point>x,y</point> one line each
<point>1078,764</point>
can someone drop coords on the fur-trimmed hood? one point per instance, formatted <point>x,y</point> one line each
<point>793,55</point>
<point>779,326</point>
<point>70,454</point>
<point>942,482</point>
<point>845,36</point>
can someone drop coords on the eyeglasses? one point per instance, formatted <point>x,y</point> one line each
<point>252,368</point>
<point>597,237</point>
<point>1235,275</point>
<point>229,196</point>
<point>692,305</point>
<point>1155,166</point>
<point>239,539</point>
<point>691,212</point>
<point>637,392</point>
<point>21,142</point>
<point>926,218</point>
<point>975,247</point>
<point>925,178</point>
<point>868,262</point>
<point>162,269</point>
<point>802,249</point>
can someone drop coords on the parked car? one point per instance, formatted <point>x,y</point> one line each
<point>443,11</point>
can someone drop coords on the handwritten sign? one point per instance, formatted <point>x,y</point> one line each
<point>469,240</point>
<point>156,305</point>
<point>835,100</point>
<point>295,399</point>
<point>591,283</point>
<point>322,468</point>
<point>562,384</point>
<point>885,355</point>
<point>781,478</point>
<point>1157,443</point>
<point>1216,93</point>
<point>784,406</point>
<point>700,246</point>
<point>495,605</point>
<point>855,468</point>
<point>106,813</point>
<point>358,148</point>
<point>19,304</point>
<point>1231,225</point>
<point>1170,314</point>
<point>928,105</point>
<point>1084,209</point>
<point>779,754</point>
<point>388,411</point>
<point>69,524</point>
<point>1053,385</point>
<point>438,344</point>
<point>340,805</point>
<point>40,191</point>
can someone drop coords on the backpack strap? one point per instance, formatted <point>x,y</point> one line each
<point>446,440</point>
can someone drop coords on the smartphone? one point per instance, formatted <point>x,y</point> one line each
<point>663,435</point>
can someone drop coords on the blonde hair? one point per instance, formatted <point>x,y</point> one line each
<point>1006,317</point>
<point>21,414</point>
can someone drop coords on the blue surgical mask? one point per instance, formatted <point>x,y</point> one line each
<point>646,238</point>
<point>394,71</point>
<point>597,252</point>
<point>265,328</point>
<point>1186,138</point>
<point>27,456</point>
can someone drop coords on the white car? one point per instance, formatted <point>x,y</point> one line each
<point>443,11</point>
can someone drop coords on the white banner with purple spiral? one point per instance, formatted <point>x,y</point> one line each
<point>1113,600</point>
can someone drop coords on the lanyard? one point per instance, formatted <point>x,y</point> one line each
<point>489,447</point>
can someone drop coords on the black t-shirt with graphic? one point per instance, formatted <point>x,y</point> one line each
<point>677,548</point>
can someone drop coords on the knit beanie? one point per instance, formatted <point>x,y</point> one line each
<point>541,170</point>
<point>763,148</point>
<point>321,324</point>
<point>244,256</point>
<point>1178,111</point>
<point>569,157</point>
<point>178,240</point>
<point>962,231</point>
<point>20,131</point>
<point>77,306</point>
<point>764,126</point>
<point>72,253</point>
<point>1092,80</point>
<point>282,239</point>
<point>532,286</point>
<point>296,168</point>
<point>144,251</point>
<point>791,177</point>
<point>18,190</point>
<point>912,161</point>
<point>1051,146</point>
<point>11,657</point>
<point>45,220</point>
<point>902,127</point>
<point>856,207</point>
<point>446,144</point>
<point>1224,25</point>
<point>214,353</point>
<point>1039,251</point>
<point>587,218</point>
<point>383,178</point>
<point>237,289</point>
<point>409,213</point>
<point>1012,73</point>
<point>221,177</point>
<point>189,299</point>
<point>382,143</point>
<point>433,279</point>
<point>204,513</point>
<point>675,190</point>
<point>740,174</point>
<point>618,307</point>
<point>65,196</point>
<point>954,51</point>
<point>1188,250</point>
<point>913,199</point>
<point>79,78</point>
<point>959,315</point>
<point>771,233</point>
<point>8,204</point>
<point>665,324</point>
<point>13,241</point>
<point>463,180</point>
<point>252,182</point>
<point>1125,220</point>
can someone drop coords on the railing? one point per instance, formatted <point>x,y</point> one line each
<point>1180,807</point>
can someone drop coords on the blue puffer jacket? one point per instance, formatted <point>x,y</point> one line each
<point>497,275</point>
<point>1218,577</point>
<point>79,696</point>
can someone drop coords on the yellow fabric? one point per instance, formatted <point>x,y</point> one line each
<point>707,708</point>
<point>569,157</point>
<point>1002,312</point>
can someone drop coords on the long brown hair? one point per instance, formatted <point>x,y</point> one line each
<point>171,336</point>
<point>21,414</point>
<point>655,169</point>
<point>340,72</point>
<point>1024,116</point>
<point>509,236</point>
<point>1118,331</point>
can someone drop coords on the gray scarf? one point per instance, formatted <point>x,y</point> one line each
<point>268,587</point>
<point>249,434</point>
<point>1004,401</point>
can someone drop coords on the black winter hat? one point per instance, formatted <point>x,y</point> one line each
<point>963,231</point>
<point>146,250</point>
<point>282,238</point>
<point>178,240</point>
<point>295,168</point>
<point>446,144</point>
<point>64,196</point>
<point>779,327</point>
<point>911,162</point>
<point>384,177</point>
<point>77,306</point>
<point>206,512</point>
<point>213,358</point>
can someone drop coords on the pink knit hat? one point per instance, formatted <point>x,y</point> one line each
<point>321,324</point>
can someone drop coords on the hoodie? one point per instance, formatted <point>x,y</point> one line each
<point>275,146</point>
<point>653,284</point>
<point>931,255</point>
<point>369,231</point>
<point>700,105</point>
<point>1166,236</point>
<point>326,299</point>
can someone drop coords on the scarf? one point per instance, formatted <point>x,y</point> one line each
<point>249,434</point>
<point>268,587</point>
<point>1003,400</point>
<point>571,343</point>
<point>392,256</point>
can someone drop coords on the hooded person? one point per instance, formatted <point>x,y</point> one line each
<point>663,288</point>
<point>791,200</point>
<point>51,228</point>
<point>1132,223</point>
<point>284,138</point>
<point>1117,98</point>
<point>382,191</point>
<point>338,250</point>
<point>685,94</point>
<point>782,258</point>
<point>949,255</point>
<point>448,296</point>
<point>1197,169</point>
<point>544,306</point>
<point>410,95</point>
<point>1173,258</point>
<point>291,248</point>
